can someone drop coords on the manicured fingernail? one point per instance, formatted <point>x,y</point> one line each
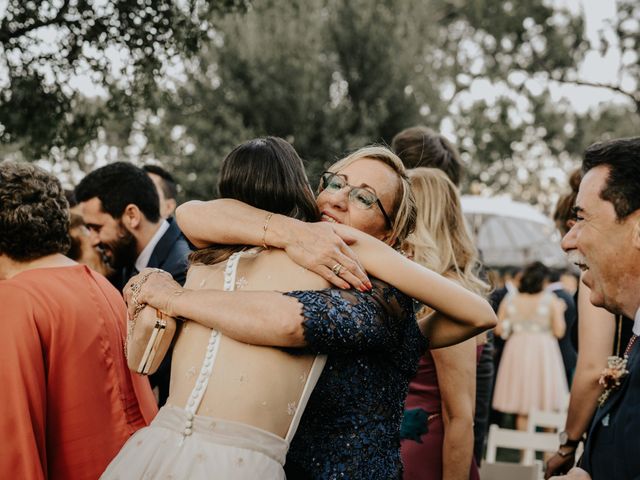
<point>346,286</point>
<point>369,285</point>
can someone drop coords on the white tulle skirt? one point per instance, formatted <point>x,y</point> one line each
<point>215,449</point>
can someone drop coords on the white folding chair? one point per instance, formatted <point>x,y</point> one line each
<point>539,418</point>
<point>510,471</point>
<point>555,420</point>
<point>529,442</point>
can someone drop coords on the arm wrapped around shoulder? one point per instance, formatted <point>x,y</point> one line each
<point>149,336</point>
<point>347,321</point>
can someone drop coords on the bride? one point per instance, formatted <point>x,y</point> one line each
<point>234,407</point>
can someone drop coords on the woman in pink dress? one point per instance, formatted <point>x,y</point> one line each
<point>437,428</point>
<point>531,373</point>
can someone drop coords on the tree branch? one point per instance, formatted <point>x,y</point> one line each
<point>6,35</point>
<point>615,88</point>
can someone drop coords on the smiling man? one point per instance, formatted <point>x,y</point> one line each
<point>120,206</point>
<point>605,244</point>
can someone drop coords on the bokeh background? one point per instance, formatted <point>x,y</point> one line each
<point>522,86</point>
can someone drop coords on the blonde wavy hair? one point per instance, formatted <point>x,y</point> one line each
<point>404,212</point>
<point>441,241</point>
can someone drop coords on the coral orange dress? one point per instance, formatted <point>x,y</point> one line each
<point>68,402</point>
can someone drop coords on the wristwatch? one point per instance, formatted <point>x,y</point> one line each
<point>565,441</point>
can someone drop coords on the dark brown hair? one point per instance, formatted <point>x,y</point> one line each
<point>168,184</point>
<point>563,214</point>
<point>34,213</point>
<point>420,146</point>
<point>117,185</point>
<point>533,277</point>
<point>266,173</point>
<point>622,156</point>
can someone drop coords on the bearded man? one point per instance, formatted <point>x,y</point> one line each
<point>121,208</point>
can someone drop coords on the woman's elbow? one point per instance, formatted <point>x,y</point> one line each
<point>462,422</point>
<point>183,212</point>
<point>487,319</point>
<point>186,218</point>
<point>293,336</point>
<point>589,374</point>
<point>291,329</point>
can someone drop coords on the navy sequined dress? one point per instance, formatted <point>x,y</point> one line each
<point>350,428</point>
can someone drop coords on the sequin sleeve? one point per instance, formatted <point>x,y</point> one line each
<point>345,321</point>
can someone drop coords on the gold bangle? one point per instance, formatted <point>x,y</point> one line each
<point>264,231</point>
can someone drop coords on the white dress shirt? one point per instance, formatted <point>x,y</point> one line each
<point>145,255</point>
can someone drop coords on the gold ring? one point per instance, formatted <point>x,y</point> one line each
<point>336,269</point>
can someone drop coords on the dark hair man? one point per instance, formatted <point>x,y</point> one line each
<point>166,187</point>
<point>420,146</point>
<point>605,244</point>
<point>68,402</point>
<point>120,207</point>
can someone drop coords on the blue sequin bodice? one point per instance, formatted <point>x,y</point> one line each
<point>350,428</point>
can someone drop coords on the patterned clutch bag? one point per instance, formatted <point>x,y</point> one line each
<point>149,336</point>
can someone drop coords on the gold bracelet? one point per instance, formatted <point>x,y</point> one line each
<point>264,231</point>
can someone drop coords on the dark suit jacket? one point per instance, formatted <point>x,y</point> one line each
<point>613,446</point>
<point>569,355</point>
<point>171,255</point>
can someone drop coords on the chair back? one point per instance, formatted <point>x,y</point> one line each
<point>542,419</point>
<point>529,442</point>
<point>510,471</point>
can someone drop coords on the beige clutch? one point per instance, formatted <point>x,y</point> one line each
<point>149,336</point>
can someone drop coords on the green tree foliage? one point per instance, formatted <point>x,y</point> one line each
<point>327,76</point>
<point>333,75</point>
<point>44,43</point>
<point>523,49</point>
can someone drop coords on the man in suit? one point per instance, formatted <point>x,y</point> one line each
<point>605,244</point>
<point>120,206</point>
<point>569,355</point>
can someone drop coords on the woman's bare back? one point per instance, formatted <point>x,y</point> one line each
<point>259,386</point>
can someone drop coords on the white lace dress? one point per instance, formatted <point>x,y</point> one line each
<point>180,444</point>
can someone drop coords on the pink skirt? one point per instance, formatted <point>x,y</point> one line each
<point>531,375</point>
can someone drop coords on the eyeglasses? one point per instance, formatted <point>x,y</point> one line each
<point>358,196</point>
